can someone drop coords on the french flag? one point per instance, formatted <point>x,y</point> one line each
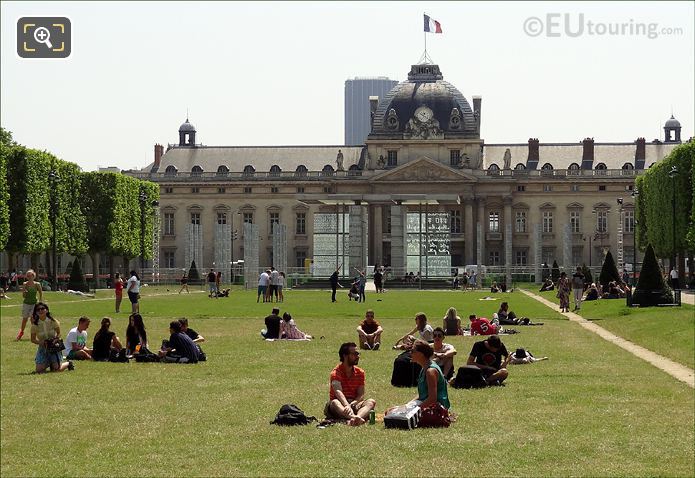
<point>432,25</point>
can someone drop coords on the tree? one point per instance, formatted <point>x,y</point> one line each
<point>556,272</point>
<point>6,138</point>
<point>609,271</point>
<point>77,280</point>
<point>193,276</point>
<point>651,287</point>
<point>4,195</point>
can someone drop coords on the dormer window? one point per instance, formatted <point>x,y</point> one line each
<point>249,171</point>
<point>301,171</point>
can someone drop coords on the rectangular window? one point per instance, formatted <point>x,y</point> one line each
<point>494,258</point>
<point>455,222</point>
<point>300,189</point>
<point>575,221</point>
<point>574,188</point>
<point>248,218</point>
<point>168,190</point>
<point>274,189</point>
<point>168,223</point>
<point>169,261</point>
<point>392,159</point>
<point>247,189</point>
<point>629,226</point>
<point>327,189</point>
<point>195,190</point>
<point>195,218</point>
<point>547,188</point>
<point>301,223</point>
<point>221,218</point>
<point>221,190</point>
<point>547,221</point>
<point>521,188</point>
<point>520,257</point>
<point>602,188</point>
<point>494,221</point>
<point>388,223</point>
<point>455,157</point>
<point>300,257</point>
<point>521,221</point>
<point>602,221</point>
<point>274,219</point>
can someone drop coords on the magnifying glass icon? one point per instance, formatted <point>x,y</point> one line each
<point>42,35</point>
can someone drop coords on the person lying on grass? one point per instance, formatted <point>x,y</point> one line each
<point>347,389</point>
<point>422,331</point>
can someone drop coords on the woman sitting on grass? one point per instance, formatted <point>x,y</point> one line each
<point>135,335</point>
<point>289,330</point>
<point>44,328</point>
<point>422,329</point>
<point>452,322</point>
<point>105,342</point>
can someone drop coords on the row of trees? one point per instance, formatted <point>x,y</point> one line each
<point>94,213</point>
<point>656,188</point>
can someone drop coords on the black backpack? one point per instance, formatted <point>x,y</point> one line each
<point>290,415</point>
<point>118,357</point>
<point>469,376</point>
<point>405,371</point>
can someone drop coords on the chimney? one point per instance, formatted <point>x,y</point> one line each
<point>477,100</point>
<point>640,153</point>
<point>533,154</point>
<point>373,103</point>
<point>158,153</point>
<point>588,153</point>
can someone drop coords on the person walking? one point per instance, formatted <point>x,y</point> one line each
<point>184,283</point>
<point>334,282</point>
<point>578,288</point>
<point>32,294</point>
<point>134,292</point>
<point>118,291</point>
<point>563,292</point>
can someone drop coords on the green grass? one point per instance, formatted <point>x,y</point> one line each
<point>591,410</point>
<point>668,331</point>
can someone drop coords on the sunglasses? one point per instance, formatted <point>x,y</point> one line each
<point>439,335</point>
<point>41,308</point>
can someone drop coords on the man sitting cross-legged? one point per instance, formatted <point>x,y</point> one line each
<point>76,342</point>
<point>347,389</point>
<point>487,356</point>
<point>179,348</point>
<point>369,332</point>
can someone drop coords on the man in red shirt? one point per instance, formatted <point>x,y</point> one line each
<point>347,389</point>
<point>482,326</point>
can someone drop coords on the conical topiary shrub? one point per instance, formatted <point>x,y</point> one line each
<point>77,280</point>
<point>609,272</point>
<point>193,276</point>
<point>651,286</point>
<point>556,272</point>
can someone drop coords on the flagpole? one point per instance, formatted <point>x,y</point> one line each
<point>425,35</point>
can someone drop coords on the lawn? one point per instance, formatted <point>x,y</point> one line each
<point>668,331</point>
<point>591,410</point>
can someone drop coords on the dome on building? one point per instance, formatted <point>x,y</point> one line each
<point>426,90</point>
<point>186,127</point>
<point>672,123</point>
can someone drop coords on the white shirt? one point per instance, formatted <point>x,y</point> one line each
<point>427,334</point>
<point>264,279</point>
<point>136,287</point>
<point>281,281</point>
<point>674,274</point>
<point>274,277</point>
<point>73,337</point>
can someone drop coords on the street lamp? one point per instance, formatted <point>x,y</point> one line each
<point>635,193</point>
<point>143,200</point>
<point>234,235</point>
<point>53,180</point>
<point>672,174</point>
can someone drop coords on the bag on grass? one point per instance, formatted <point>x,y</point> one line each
<point>290,415</point>
<point>145,355</point>
<point>54,345</point>
<point>405,371</point>
<point>469,376</point>
<point>118,356</point>
<point>434,416</point>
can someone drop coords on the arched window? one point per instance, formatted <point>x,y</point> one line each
<point>354,170</point>
<point>275,171</point>
<point>493,167</point>
<point>196,171</point>
<point>327,170</point>
<point>249,171</point>
<point>222,171</point>
<point>301,171</point>
<point>170,171</point>
<point>573,167</point>
<point>520,166</point>
<point>547,167</point>
<point>628,166</point>
<point>601,166</point>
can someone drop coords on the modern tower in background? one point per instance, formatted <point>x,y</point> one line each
<point>357,113</point>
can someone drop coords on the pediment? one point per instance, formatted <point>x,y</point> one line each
<point>423,169</point>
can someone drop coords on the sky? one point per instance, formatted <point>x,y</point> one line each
<point>255,73</point>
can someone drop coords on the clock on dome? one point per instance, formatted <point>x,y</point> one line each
<point>423,114</point>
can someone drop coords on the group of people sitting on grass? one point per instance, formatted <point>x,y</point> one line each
<point>54,354</point>
<point>347,401</point>
<point>284,327</point>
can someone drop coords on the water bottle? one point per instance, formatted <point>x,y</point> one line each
<point>372,417</point>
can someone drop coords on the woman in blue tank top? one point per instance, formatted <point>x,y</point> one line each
<point>431,384</point>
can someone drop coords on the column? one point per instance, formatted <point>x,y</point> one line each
<point>376,233</point>
<point>469,232</point>
<point>398,250</point>
<point>508,239</point>
<point>357,238</point>
<point>480,243</point>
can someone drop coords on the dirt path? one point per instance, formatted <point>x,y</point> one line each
<point>676,370</point>
<point>18,298</point>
